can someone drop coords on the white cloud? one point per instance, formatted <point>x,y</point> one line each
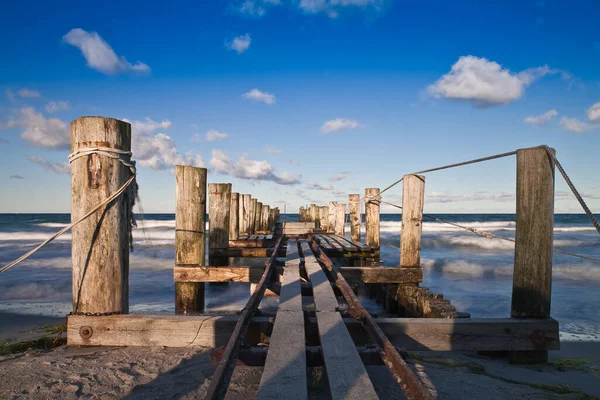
<point>573,125</point>
<point>332,8</point>
<point>148,125</point>
<point>272,150</point>
<point>542,119</point>
<point>9,122</point>
<point>250,169</point>
<point>316,186</point>
<point>337,177</point>
<point>59,168</point>
<point>158,151</point>
<point>257,95</point>
<point>593,113</point>
<point>99,55</point>
<point>213,135</point>
<point>51,133</point>
<point>240,43</point>
<point>484,83</point>
<point>29,93</point>
<point>256,8</point>
<point>55,106</point>
<point>339,124</point>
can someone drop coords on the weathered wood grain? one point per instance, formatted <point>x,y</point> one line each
<point>372,228</point>
<point>234,221</point>
<point>413,192</point>
<point>100,244</point>
<point>355,216</point>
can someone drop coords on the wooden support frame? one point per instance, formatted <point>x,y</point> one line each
<point>413,334</point>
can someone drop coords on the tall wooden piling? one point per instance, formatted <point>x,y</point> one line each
<point>372,228</point>
<point>252,217</point>
<point>244,212</point>
<point>190,235</point>
<point>258,217</point>
<point>324,218</point>
<point>355,217</point>
<point>100,244</point>
<point>413,194</point>
<point>218,221</point>
<point>313,213</point>
<point>340,219</point>
<point>331,216</point>
<point>265,217</point>
<point>532,276</point>
<point>234,221</point>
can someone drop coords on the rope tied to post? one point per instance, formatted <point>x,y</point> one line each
<point>130,187</point>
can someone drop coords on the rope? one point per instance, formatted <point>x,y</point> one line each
<point>477,160</point>
<point>572,187</point>
<point>131,181</point>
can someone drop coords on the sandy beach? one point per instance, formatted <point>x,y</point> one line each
<point>68,372</point>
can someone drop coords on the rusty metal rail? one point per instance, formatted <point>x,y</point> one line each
<point>404,376</point>
<point>222,375</point>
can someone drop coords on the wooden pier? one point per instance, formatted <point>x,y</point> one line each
<point>317,269</point>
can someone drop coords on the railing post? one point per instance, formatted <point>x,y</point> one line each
<point>372,227</point>
<point>234,221</point>
<point>413,195</point>
<point>252,217</point>
<point>340,219</point>
<point>258,217</point>
<point>190,234</point>
<point>100,244</point>
<point>355,217</point>
<point>218,222</point>
<point>331,217</point>
<point>532,276</point>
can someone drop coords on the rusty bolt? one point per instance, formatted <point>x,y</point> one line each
<point>86,332</point>
<point>538,337</point>
<point>183,275</point>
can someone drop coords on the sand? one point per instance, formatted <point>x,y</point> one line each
<point>160,373</point>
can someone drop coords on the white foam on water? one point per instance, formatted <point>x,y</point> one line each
<point>51,225</point>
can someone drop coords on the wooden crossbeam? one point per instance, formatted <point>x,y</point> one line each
<point>353,275</point>
<point>414,334</point>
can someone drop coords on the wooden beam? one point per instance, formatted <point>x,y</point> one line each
<point>372,235</point>
<point>355,216</point>
<point>414,334</point>
<point>190,235</point>
<point>234,214</point>
<point>381,275</point>
<point>532,277</point>
<point>217,274</point>
<point>413,192</point>
<point>218,216</point>
<point>100,244</point>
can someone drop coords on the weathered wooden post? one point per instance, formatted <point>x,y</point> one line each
<point>218,222</point>
<point>532,276</point>
<point>331,217</point>
<point>324,217</point>
<point>313,213</point>
<point>243,213</point>
<point>258,217</point>
<point>234,221</point>
<point>355,217</point>
<point>265,218</point>
<point>100,244</point>
<point>190,235</point>
<point>340,219</point>
<point>413,195</point>
<point>252,216</point>
<point>372,228</point>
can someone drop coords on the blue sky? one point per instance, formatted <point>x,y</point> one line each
<point>303,101</point>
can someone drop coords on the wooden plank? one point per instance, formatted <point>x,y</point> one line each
<point>260,237</point>
<point>382,275</point>
<point>414,334</point>
<point>323,294</point>
<point>360,246</point>
<point>347,376</point>
<point>284,374</point>
<point>335,245</point>
<point>344,243</point>
<point>253,237</point>
<point>190,234</point>
<point>323,243</point>
<point>269,237</point>
<point>217,274</point>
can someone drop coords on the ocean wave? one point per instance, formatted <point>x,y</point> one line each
<point>394,227</point>
<point>51,225</point>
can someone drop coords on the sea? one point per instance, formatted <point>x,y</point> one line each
<point>473,272</point>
